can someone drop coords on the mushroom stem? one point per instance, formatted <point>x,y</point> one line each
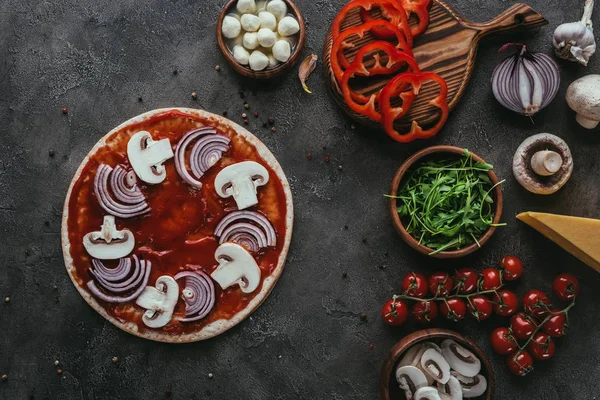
<point>587,13</point>
<point>585,122</point>
<point>546,162</point>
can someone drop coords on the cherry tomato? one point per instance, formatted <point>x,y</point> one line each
<point>394,312</point>
<point>522,325</point>
<point>465,280</point>
<point>490,279</point>
<point>520,363</point>
<point>507,303</point>
<point>440,284</point>
<point>425,311</point>
<point>503,341</point>
<point>536,303</point>
<point>565,287</point>
<point>480,307</point>
<point>454,309</point>
<point>415,285</point>
<point>541,346</point>
<point>511,267</point>
<point>556,326</point>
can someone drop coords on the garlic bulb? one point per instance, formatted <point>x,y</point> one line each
<point>575,41</point>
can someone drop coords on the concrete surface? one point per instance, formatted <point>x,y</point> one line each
<point>307,341</point>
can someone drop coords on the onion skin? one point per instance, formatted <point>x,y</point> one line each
<point>198,294</point>
<point>249,229</point>
<point>117,192</point>
<point>126,277</point>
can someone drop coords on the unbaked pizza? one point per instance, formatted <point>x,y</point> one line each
<point>177,225</point>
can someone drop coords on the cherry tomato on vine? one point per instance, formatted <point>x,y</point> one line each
<point>425,311</point>
<point>541,346</point>
<point>522,325</point>
<point>520,363</point>
<point>556,326</point>
<point>394,312</point>
<point>465,280</point>
<point>490,279</point>
<point>511,267</point>
<point>440,284</point>
<point>503,342</point>
<point>536,303</point>
<point>415,284</point>
<point>507,303</point>
<point>454,308</point>
<point>480,307</point>
<point>565,287</point>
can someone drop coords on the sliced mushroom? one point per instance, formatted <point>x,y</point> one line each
<point>543,163</point>
<point>427,393</point>
<point>159,302</point>
<point>434,364</point>
<point>414,354</point>
<point>236,266</point>
<point>471,387</point>
<point>410,379</point>
<point>460,359</point>
<point>147,157</point>
<point>452,390</point>
<point>240,181</point>
<point>583,96</point>
<point>108,243</point>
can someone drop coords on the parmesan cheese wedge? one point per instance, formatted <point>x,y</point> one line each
<point>578,236</point>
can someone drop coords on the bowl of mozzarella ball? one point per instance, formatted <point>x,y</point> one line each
<point>261,39</point>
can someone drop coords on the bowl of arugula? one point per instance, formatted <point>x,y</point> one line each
<point>445,202</point>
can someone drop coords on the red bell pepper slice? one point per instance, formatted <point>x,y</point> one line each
<point>418,7</point>
<point>396,17</point>
<point>396,87</point>
<point>339,62</point>
<point>396,60</point>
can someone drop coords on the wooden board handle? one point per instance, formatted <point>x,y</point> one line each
<point>519,16</point>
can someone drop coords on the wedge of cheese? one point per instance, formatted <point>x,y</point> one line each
<point>579,236</point>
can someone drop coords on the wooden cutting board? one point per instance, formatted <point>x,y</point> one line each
<point>448,48</point>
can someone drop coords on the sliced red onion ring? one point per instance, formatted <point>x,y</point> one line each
<point>198,294</point>
<point>126,277</point>
<point>128,201</point>
<point>207,150</point>
<point>250,229</point>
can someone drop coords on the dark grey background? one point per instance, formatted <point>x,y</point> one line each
<point>96,57</point>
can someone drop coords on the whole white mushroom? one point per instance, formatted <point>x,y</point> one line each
<point>231,27</point>
<point>278,8</point>
<point>282,50</point>
<point>258,60</point>
<point>266,37</point>
<point>241,55</point>
<point>250,40</point>
<point>288,26</point>
<point>250,22</point>
<point>267,20</point>
<point>246,6</point>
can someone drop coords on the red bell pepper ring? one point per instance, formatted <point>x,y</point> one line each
<point>418,7</point>
<point>339,62</point>
<point>397,17</point>
<point>396,60</point>
<point>396,87</point>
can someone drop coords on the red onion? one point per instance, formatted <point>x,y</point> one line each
<point>125,278</point>
<point>123,198</point>
<point>198,294</point>
<point>526,82</point>
<point>207,150</point>
<point>249,229</point>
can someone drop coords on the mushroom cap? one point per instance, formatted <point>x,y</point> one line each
<point>525,175</point>
<point>236,266</point>
<point>583,96</point>
<point>159,301</point>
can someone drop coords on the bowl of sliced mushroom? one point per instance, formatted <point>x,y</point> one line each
<point>436,364</point>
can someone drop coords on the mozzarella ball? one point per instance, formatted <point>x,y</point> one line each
<point>267,20</point>
<point>272,61</point>
<point>250,22</point>
<point>231,27</point>
<point>266,37</point>
<point>282,50</point>
<point>246,6</point>
<point>278,8</point>
<point>258,60</point>
<point>288,26</point>
<point>250,40</point>
<point>241,55</point>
